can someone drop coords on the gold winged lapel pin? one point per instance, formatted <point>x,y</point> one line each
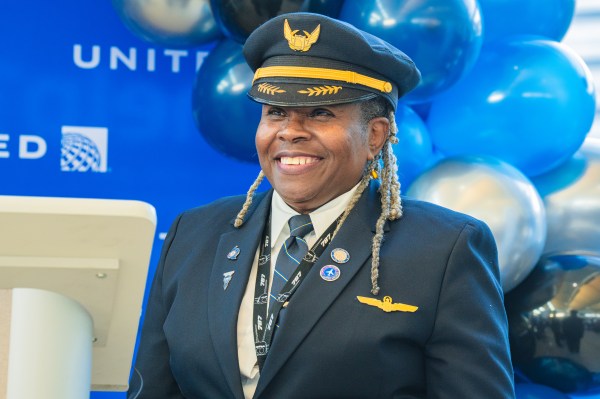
<point>387,305</point>
<point>300,42</point>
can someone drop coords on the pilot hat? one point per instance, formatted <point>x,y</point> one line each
<point>305,59</point>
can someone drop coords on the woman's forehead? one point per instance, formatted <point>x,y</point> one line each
<point>344,106</point>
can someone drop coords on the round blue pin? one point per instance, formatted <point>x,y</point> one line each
<point>340,255</point>
<point>233,254</point>
<point>330,273</point>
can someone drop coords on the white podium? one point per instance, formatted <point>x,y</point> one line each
<point>72,279</point>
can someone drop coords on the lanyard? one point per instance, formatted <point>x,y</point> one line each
<point>263,332</point>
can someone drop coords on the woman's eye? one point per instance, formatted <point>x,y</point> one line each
<point>321,113</point>
<point>275,112</point>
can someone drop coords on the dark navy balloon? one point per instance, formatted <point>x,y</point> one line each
<point>238,18</point>
<point>529,102</point>
<point>224,114</point>
<point>443,37</point>
<point>548,18</point>
<point>554,324</point>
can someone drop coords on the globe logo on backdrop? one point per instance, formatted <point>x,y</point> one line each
<point>83,149</point>
<point>78,153</point>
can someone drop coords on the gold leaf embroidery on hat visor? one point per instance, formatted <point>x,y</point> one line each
<point>322,73</point>
<point>270,89</point>
<point>321,90</point>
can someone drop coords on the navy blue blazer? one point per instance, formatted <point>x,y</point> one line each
<point>331,345</point>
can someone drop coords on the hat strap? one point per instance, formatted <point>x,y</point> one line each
<point>322,73</point>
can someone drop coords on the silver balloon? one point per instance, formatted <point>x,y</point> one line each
<point>571,194</point>
<point>498,194</point>
<point>180,23</point>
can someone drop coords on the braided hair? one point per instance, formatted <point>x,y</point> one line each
<point>391,205</point>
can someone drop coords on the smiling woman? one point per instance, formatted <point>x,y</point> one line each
<point>314,245</point>
<point>314,154</point>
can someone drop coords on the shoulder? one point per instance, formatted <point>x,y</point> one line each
<point>215,216</point>
<point>222,209</point>
<point>430,228</point>
<point>429,234</point>
<point>430,215</point>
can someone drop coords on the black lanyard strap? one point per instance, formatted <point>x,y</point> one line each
<point>264,318</point>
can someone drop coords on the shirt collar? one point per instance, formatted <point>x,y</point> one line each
<point>321,217</point>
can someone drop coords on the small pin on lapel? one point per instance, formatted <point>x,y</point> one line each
<point>330,273</point>
<point>233,254</point>
<point>227,278</point>
<point>340,255</point>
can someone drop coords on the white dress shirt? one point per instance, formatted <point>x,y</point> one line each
<point>280,213</point>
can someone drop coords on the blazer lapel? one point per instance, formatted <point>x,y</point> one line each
<point>224,303</point>
<point>314,296</point>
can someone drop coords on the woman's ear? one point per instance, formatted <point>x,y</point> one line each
<point>378,130</point>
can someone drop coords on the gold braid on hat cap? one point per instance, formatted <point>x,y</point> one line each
<point>323,74</point>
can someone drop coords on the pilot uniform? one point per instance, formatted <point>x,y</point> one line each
<point>436,329</point>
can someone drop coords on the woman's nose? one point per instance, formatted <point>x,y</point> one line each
<point>293,129</point>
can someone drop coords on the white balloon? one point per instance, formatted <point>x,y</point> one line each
<point>498,194</point>
<point>571,194</point>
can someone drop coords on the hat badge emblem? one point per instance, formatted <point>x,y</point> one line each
<point>300,42</point>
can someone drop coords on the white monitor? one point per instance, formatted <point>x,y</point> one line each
<point>93,251</point>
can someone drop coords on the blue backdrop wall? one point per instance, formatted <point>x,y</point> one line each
<point>67,75</point>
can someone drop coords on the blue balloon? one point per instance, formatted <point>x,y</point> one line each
<point>414,150</point>
<point>591,394</point>
<point>527,101</point>
<point>561,373</point>
<point>224,114</point>
<point>422,109</point>
<point>170,23</point>
<point>548,18</point>
<point>443,37</point>
<point>563,176</point>
<point>535,391</point>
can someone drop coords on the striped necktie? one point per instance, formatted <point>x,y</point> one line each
<point>290,256</point>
